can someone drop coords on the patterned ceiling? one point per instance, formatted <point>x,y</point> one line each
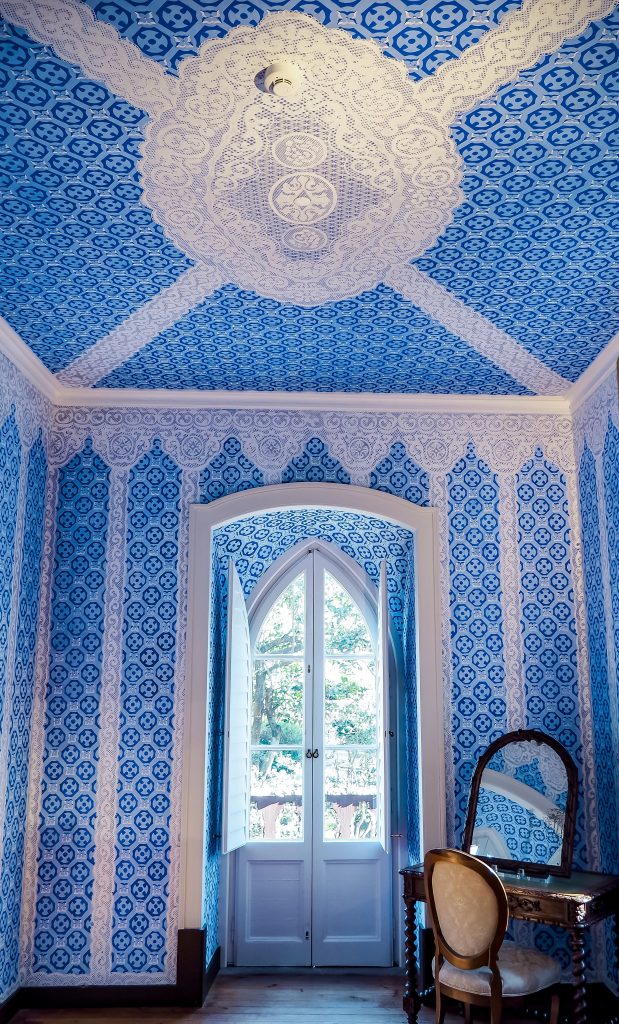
<point>480,257</point>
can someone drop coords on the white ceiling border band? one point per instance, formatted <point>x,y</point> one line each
<point>476,331</point>
<point>141,327</point>
<point>75,35</point>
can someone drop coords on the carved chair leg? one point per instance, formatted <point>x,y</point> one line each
<point>441,1007</point>
<point>554,1009</point>
<point>468,1013</point>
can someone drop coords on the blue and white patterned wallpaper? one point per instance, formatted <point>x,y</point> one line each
<point>20,695</point>
<point>596,431</point>
<point>601,681</point>
<point>532,247</point>
<point>478,687</point>
<point>23,473</point>
<point>526,836</point>
<point>81,252</point>
<point>425,33</point>
<point>535,244</point>
<point>145,758</point>
<point>64,913</point>
<point>202,455</point>
<point>377,342</point>
<point>548,622</point>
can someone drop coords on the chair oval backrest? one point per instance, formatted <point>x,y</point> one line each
<point>469,905</point>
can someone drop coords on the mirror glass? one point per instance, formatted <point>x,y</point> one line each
<point>521,805</point>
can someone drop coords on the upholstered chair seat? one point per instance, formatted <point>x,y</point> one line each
<point>523,971</point>
<point>469,913</point>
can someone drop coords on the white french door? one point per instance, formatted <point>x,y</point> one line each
<point>313,879</point>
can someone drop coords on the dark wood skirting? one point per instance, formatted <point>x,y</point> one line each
<point>193,980</point>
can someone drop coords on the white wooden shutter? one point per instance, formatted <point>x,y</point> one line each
<point>382,686</point>
<point>237,721</point>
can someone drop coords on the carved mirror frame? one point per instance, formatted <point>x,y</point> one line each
<point>564,868</point>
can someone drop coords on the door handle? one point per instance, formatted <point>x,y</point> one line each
<point>311,753</point>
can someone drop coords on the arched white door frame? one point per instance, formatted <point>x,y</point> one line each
<point>204,519</point>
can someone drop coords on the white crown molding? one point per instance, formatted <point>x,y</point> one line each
<point>595,374</point>
<point>60,395</point>
<point>15,349</point>
<point>309,401</point>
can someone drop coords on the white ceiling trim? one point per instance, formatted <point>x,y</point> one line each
<point>308,401</point>
<point>15,349</point>
<point>476,331</point>
<point>142,326</point>
<point>595,375</point>
<point>12,346</point>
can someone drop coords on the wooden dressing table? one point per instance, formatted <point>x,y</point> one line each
<point>574,903</point>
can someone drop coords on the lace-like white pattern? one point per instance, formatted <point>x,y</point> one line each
<point>73,32</point>
<point>382,189</point>
<point>387,183</point>
<point>476,330</point>
<point>551,767</point>
<point>108,758</point>
<point>536,28</point>
<point>384,177</point>
<point>270,439</point>
<point>140,327</point>
<point>510,599</point>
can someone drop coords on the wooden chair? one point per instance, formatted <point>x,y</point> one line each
<point>468,907</point>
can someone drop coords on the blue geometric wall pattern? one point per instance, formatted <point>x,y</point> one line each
<point>80,251</point>
<point>315,465</point>
<point>398,474</point>
<point>526,836</point>
<point>425,33</point>
<point>10,459</point>
<point>376,342</point>
<point>610,463</point>
<point>535,246</point>
<point>478,687</point>
<point>143,842</point>
<point>65,860</point>
<point>548,624</point>
<point>228,472</point>
<point>605,745</point>
<point>21,703</point>
<point>611,491</point>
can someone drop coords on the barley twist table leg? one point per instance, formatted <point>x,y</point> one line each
<point>579,997</point>
<point>412,1001</point>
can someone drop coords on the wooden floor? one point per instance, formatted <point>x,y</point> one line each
<point>236,998</point>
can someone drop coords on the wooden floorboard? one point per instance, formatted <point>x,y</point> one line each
<point>238,998</point>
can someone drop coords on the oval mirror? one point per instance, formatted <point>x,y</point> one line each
<point>522,806</point>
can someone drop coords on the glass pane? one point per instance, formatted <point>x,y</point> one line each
<point>275,810</point>
<point>277,703</point>
<point>350,701</point>
<point>283,630</point>
<point>346,631</point>
<point>351,794</point>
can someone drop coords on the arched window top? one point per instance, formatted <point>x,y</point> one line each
<point>346,574</point>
